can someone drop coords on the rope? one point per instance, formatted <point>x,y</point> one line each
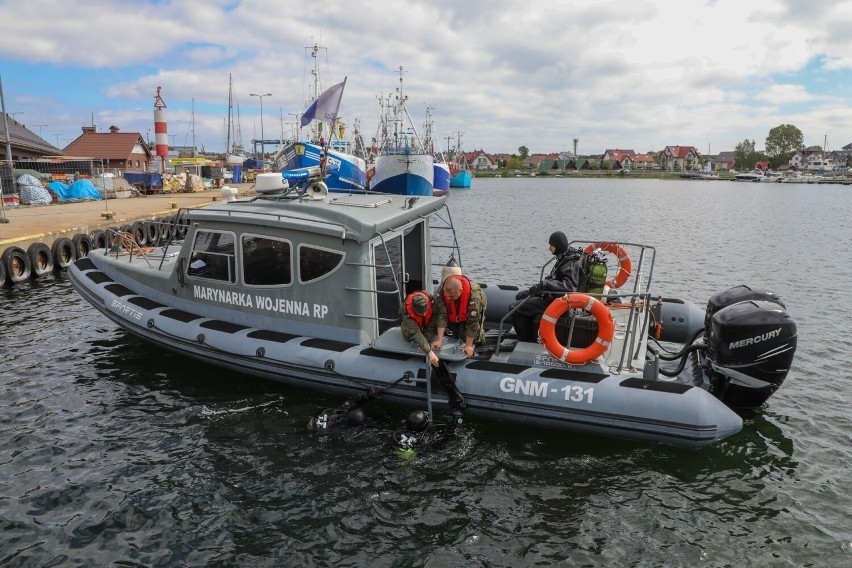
<point>128,243</point>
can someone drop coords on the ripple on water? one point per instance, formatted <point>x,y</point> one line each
<point>114,452</point>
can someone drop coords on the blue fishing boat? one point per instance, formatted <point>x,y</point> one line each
<point>344,171</point>
<point>460,178</point>
<point>460,175</point>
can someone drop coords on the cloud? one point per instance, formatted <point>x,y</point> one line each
<point>643,75</point>
<point>784,94</point>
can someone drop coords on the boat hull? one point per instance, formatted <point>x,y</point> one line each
<point>345,172</point>
<point>441,178</point>
<point>585,398</point>
<point>461,179</point>
<point>404,174</point>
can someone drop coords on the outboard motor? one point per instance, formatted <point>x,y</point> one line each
<point>750,346</point>
<point>736,294</point>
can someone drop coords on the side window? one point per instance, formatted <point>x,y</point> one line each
<point>213,257</point>
<point>316,263</point>
<point>266,261</point>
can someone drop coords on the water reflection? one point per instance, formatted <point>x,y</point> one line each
<point>114,451</point>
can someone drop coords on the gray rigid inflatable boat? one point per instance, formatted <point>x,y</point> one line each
<point>306,290</point>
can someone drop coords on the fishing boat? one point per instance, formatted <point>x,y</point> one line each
<point>344,171</point>
<point>440,167</point>
<point>305,287</point>
<point>403,165</point>
<point>460,175</point>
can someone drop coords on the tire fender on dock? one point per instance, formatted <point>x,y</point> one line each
<point>164,228</point>
<point>41,259</point>
<point>98,239</point>
<point>17,264</point>
<point>82,245</point>
<point>140,234</point>
<point>152,232</point>
<point>64,253</point>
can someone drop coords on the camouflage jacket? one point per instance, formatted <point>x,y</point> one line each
<point>412,332</point>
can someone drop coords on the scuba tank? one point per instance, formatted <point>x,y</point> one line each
<point>597,272</point>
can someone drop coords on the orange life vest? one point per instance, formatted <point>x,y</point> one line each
<point>421,320</point>
<point>457,310</point>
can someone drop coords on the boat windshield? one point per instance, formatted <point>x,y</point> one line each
<point>213,256</point>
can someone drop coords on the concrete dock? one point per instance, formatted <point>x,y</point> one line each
<point>46,223</point>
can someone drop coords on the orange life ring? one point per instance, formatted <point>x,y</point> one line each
<point>625,265</point>
<point>547,328</point>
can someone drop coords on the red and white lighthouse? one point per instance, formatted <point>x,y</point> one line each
<point>161,131</point>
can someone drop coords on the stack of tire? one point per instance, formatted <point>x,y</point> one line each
<point>19,265</point>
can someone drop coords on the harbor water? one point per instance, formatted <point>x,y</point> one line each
<point>115,453</point>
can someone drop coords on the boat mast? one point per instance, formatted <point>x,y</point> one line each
<point>459,154</point>
<point>230,117</point>
<point>382,141</point>
<point>427,129</point>
<point>401,110</point>
<point>316,127</point>
<point>430,137</point>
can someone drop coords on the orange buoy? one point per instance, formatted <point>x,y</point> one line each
<point>625,265</point>
<point>547,328</point>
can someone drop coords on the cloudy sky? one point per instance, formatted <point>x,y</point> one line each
<point>638,75</point>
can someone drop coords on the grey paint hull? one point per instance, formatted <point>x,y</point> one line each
<point>524,385</point>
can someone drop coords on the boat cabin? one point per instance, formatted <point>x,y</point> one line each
<point>336,268</point>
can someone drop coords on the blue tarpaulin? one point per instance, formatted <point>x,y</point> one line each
<point>145,180</point>
<point>80,189</point>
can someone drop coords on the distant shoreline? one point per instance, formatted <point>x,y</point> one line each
<point>724,176</point>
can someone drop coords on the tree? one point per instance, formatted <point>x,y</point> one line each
<point>782,142</point>
<point>524,152</point>
<point>744,155</point>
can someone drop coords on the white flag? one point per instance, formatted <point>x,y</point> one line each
<point>326,106</point>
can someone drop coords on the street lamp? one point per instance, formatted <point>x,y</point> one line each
<point>262,151</point>
<point>57,134</point>
<point>40,126</point>
<point>14,114</point>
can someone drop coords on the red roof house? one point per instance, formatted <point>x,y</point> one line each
<point>116,150</point>
<point>679,158</point>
